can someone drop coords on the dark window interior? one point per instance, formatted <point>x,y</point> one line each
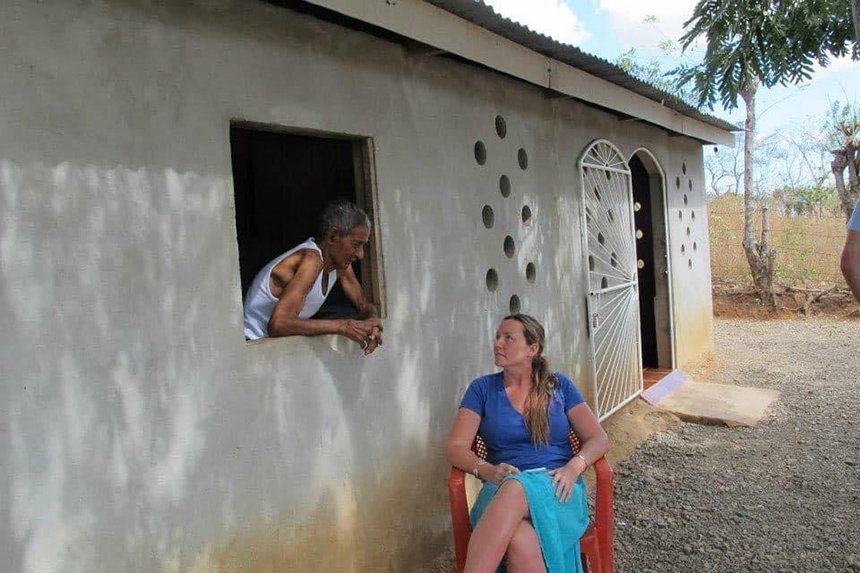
<point>281,183</point>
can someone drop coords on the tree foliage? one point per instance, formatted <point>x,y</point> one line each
<point>771,41</point>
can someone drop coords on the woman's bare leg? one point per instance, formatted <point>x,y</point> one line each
<point>493,534</point>
<point>524,554</point>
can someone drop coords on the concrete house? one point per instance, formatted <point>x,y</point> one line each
<point>154,153</point>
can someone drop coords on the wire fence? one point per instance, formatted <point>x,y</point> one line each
<point>808,247</point>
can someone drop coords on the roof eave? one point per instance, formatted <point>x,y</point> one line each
<point>443,30</point>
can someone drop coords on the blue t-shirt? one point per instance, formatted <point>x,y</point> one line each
<point>854,221</point>
<point>504,429</point>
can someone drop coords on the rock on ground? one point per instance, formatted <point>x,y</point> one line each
<point>781,496</point>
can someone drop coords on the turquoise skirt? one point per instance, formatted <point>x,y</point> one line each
<point>558,525</point>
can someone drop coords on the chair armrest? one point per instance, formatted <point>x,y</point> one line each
<point>604,510</point>
<point>459,515</point>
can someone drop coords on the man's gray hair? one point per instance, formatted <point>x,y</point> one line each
<point>342,215</point>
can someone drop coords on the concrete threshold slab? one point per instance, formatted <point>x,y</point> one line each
<point>708,403</point>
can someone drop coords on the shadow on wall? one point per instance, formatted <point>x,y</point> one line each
<point>110,365</point>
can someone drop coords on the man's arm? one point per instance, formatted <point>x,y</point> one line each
<point>353,291</point>
<point>851,262</point>
<point>285,319</point>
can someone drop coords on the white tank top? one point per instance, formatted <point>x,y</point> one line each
<point>260,303</point>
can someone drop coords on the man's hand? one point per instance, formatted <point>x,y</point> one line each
<point>367,333</point>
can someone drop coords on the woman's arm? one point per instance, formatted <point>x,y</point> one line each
<point>592,436</point>
<point>459,449</point>
<point>594,442</point>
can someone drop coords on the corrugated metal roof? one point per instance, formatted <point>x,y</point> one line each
<point>481,14</point>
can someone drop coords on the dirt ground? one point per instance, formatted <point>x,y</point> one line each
<point>733,301</point>
<point>782,496</point>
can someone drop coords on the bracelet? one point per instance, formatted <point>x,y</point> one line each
<point>585,461</point>
<point>480,463</point>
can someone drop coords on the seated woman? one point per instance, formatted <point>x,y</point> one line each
<point>532,509</point>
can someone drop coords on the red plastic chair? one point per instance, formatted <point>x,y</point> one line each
<point>596,544</point>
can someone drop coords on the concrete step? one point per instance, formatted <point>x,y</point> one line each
<point>709,403</point>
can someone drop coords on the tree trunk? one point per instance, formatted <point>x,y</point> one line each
<point>846,159</point>
<point>855,11</point>
<point>760,256</point>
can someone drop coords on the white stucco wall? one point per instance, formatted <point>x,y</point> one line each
<point>140,432</point>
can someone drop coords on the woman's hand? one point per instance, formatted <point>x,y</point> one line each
<point>564,478</point>
<point>497,473</point>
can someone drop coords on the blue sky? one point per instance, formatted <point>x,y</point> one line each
<point>608,28</point>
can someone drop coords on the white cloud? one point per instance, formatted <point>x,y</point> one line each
<point>549,17</point>
<point>844,65</point>
<point>628,21</point>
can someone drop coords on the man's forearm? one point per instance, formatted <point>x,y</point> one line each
<point>305,327</point>
<point>367,310</point>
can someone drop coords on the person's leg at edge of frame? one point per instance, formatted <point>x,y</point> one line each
<point>493,533</point>
<point>524,552</point>
<point>850,262</point>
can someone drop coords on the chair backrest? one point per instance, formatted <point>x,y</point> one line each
<point>480,448</point>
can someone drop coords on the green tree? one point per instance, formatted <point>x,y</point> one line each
<point>765,42</point>
<point>750,43</point>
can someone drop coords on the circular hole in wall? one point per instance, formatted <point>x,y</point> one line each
<point>504,185</point>
<point>590,263</point>
<point>608,175</point>
<point>611,216</point>
<point>526,214</point>
<point>488,216</point>
<point>685,198</point>
<point>501,127</point>
<point>690,263</point>
<point>597,194</point>
<point>480,152</point>
<point>693,215</point>
<point>600,238</point>
<point>604,283</point>
<point>587,215</point>
<point>677,182</point>
<point>684,168</point>
<point>680,214</point>
<point>694,245</point>
<point>531,272</point>
<point>514,305</point>
<point>492,280</point>
<point>683,248</point>
<point>688,231</point>
<point>690,184</point>
<point>523,159</point>
<point>613,260</point>
<point>510,246</point>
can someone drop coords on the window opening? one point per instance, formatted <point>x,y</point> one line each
<point>282,181</point>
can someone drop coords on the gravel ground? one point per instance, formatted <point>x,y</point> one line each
<point>782,496</point>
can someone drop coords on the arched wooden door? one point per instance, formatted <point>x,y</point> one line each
<point>613,302</point>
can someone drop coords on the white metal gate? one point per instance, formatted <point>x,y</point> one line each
<point>613,299</point>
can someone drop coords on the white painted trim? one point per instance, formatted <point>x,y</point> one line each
<point>440,29</point>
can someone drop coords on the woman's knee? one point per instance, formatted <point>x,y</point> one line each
<point>511,494</point>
